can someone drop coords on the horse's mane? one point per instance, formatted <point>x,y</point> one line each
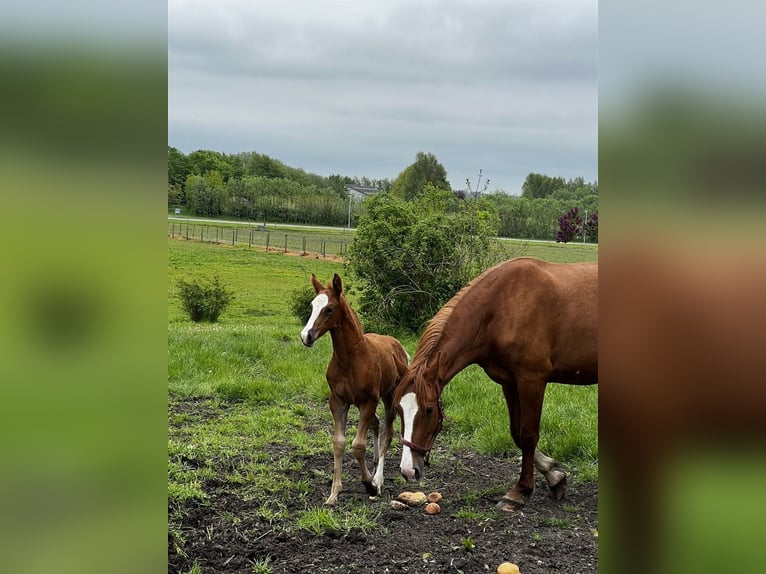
<point>435,327</point>
<point>431,337</point>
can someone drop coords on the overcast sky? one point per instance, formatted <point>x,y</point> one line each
<point>357,88</point>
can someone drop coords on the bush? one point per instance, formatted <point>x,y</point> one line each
<point>204,301</point>
<point>570,226</point>
<point>411,257</point>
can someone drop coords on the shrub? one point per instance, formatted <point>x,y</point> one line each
<point>411,257</point>
<point>570,226</point>
<point>204,301</point>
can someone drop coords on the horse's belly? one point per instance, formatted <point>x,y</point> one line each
<point>575,377</point>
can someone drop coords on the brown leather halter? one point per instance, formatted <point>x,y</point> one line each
<point>426,452</point>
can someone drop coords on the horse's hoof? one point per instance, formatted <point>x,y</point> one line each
<point>559,490</point>
<point>371,490</point>
<point>331,501</point>
<point>508,505</point>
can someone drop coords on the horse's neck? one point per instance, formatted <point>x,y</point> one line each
<point>460,345</point>
<point>347,334</point>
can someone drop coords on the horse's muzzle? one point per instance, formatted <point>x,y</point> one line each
<point>308,339</point>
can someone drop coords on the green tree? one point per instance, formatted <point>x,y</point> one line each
<point>426,169</point>
<point>206,195</point>
<point>411,257</point>
<point>537,185</point>
<point>203,161</point>
<point>175,197</point>
<point>179,168</point>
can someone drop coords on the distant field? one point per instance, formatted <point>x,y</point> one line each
<point>336,241</point>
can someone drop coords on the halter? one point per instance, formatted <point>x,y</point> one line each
<point>426,452</point>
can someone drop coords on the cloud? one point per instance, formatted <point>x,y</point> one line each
<point>359,88</point>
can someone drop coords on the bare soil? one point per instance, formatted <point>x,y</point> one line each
<point>469,535</point>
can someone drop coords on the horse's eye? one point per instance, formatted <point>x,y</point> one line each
<point>328,311</point>
<point>429,411</point>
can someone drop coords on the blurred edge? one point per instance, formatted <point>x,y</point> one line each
<point>682,150</point>
<point>83,336</point>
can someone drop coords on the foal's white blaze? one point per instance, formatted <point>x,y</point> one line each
<point>319,303</point>
<point>409,406</point>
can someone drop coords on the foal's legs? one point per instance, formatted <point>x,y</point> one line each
<point>384,442</point>
<point>359,445</point>
<point>339,411</point>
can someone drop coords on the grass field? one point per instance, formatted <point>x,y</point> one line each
<point>336,241</point>
<point>253,383</point>
<point>254,353</point>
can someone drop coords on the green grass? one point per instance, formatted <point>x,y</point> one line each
<point>262,566</point>
<point>254,355</point>
<point>320,521</point>
<point>555,252</point>
<point>559,522</point>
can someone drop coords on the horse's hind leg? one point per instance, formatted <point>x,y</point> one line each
<point>554,474</point>
<point>375,428</point>
<point>339,411</point>
<point>359,445</point>
<point>384,442</point>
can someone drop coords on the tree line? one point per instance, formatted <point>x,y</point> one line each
<point>255,186</point>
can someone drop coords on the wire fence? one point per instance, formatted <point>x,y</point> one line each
<point>260,237</point>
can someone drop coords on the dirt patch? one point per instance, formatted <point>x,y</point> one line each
<point>228,533</point>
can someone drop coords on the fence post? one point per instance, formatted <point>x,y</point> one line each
<point>268,237</point>
<point>234,236</point>
<point>324,243</point>
<point>250,239</point>
<point>304,245</point>
<point>285,242</point>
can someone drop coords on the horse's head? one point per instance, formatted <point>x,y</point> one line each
<point>418,402</point>
<point>325,307</point>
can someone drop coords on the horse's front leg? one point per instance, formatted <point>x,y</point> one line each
<point>339,411</point>
<point>525,404</point>
<point>359,445</point>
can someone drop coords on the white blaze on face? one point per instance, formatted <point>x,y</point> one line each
<point>409,406</point>
<point>319,303</point>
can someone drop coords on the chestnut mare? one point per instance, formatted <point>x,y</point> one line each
<point>526,322</point>
<point>364,369</point>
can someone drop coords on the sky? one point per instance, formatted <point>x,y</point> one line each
<point>358,88</point>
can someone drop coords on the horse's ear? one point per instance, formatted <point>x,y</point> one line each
<point>401,366</point>
<point>316,284</point>
<point>337,284</point>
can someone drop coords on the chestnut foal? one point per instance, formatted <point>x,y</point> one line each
<point>364,369</point>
